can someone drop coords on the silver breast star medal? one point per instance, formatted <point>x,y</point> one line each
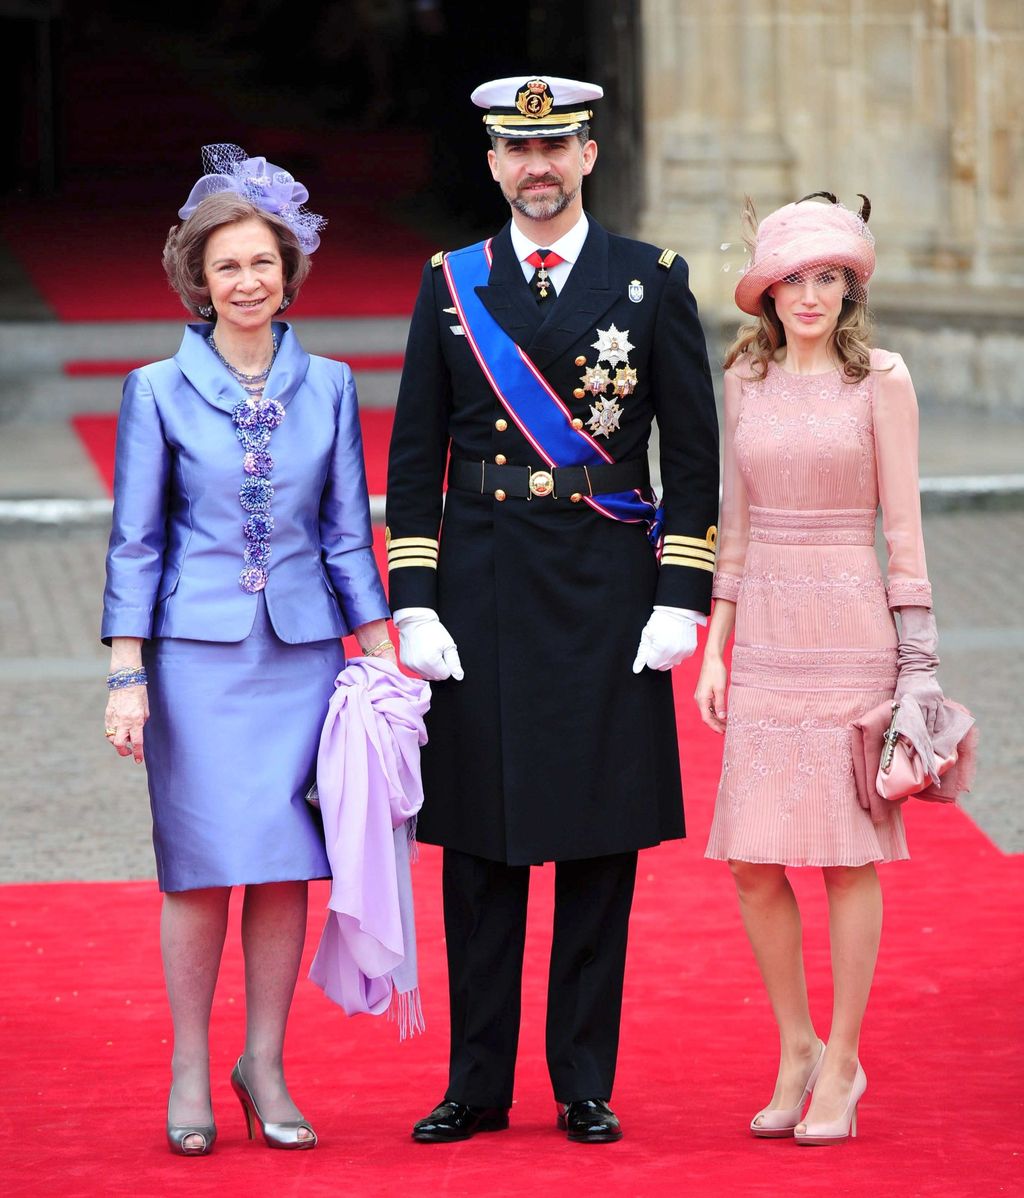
<point>613,346</point>
<point>604,419</point>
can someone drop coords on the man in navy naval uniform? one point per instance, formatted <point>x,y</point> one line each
<point>540,606</point>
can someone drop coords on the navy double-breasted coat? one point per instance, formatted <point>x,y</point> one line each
<point>551,748</point>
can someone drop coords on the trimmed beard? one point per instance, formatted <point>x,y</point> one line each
<point>543,209</point>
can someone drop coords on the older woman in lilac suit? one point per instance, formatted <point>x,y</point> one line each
<point>240,555</point>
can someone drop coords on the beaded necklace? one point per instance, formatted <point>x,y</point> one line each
<point>252,384</point>
<point>255,418</point>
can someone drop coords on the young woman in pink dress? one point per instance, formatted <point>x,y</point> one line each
<point>819,430</point>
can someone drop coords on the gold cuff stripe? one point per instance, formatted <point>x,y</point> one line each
<point>429,563</point>
<point>697,542</point>
<point>428,550</point>
<point>403,542</point>
<point>540,122</point>
<point>410,555</point>
<point>705,555</point>
<point>694,563</point>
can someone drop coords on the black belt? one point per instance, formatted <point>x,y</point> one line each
<point>561,482</point>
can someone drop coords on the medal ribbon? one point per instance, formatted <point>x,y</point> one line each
<point>525,393</point>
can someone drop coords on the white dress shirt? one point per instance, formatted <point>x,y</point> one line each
<point>567,247</point>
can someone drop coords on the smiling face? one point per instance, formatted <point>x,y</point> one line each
<point>810,302</point>
<point>541,176</point>
<point>243,269</point>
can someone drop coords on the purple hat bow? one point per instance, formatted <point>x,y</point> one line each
<point>227,167</point>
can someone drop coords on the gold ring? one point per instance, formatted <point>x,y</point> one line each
<point>110,732</point>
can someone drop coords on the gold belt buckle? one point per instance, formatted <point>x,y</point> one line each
<point>542,482</point>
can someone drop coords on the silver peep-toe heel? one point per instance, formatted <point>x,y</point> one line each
<point>276,1135</point>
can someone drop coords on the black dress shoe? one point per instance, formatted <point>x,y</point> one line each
<point>589,1121</point>
<point>453,1121</point>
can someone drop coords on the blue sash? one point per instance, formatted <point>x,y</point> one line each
<point>526,395</point>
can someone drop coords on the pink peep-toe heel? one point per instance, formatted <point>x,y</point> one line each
<point>843,1128</point>
<point>775,1124</point>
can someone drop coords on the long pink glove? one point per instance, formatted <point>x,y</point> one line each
<point>917,661</point>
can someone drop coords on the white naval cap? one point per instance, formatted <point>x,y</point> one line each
<point>543,106</point>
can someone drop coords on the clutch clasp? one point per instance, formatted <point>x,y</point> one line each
<point>890,738</point>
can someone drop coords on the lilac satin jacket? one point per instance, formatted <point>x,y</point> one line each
<point>176,544</point>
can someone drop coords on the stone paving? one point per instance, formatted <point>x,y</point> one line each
<point>72,810</point>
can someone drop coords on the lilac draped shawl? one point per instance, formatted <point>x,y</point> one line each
<point>370,789</point>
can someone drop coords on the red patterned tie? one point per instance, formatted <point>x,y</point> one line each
<point>543,260</point>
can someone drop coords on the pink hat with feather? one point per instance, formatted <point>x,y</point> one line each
<point>798,238</point>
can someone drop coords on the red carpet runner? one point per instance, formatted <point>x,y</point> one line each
<point>84,1034</point>
<point>85,1041</point>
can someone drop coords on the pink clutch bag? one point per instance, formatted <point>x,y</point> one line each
<point>888,768</point>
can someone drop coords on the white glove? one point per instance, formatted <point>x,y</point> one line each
<point>668,638</point>
<point>426,646</point>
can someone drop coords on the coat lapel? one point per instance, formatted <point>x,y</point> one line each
<point>585,297</point>
<point>210,377</point>
<point>507,295</point>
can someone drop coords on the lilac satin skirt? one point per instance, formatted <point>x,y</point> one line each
<point>231,749</point>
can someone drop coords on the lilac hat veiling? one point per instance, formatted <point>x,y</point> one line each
<point>797,238</point>
<point>227,167</point>
<point>544,106</point>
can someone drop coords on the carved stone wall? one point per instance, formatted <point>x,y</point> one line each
<point>917,103</point>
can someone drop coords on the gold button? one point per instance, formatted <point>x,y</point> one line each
<point>577,422</point>
<point>501,424</point>
<point>499,495</point>
<point>575,497</point>
<point>579,393</point>
<point>500,459</point>
<point>581,361</point>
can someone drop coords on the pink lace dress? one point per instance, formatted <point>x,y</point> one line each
<point>808,459</point>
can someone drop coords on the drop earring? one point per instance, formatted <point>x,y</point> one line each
<point>206,311</point>
<point>286,303</point>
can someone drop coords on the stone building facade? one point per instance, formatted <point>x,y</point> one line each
<point>917,103</point>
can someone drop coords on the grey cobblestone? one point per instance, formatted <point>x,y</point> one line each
<point>71,809</point>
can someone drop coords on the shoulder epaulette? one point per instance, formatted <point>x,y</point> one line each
<point>437,260</point>
<point>667,258</point>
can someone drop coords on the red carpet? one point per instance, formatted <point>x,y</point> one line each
<point>85,1034</point>
<point>368,264</point>
<point>93,251</point>
<point>85,1031</point>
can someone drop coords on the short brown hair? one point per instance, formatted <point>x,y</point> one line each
<point>186,246</point>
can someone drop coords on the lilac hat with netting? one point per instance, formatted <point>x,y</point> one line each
<point>799,238</point>
<point>227,167</point>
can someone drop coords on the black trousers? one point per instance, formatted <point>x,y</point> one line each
<point>485,926</point>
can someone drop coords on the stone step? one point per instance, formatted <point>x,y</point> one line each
<point>29,346</point>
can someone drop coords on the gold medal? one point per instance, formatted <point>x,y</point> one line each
<point>625,381</point>
<point>596,379</point>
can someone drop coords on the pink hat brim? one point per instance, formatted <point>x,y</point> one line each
<point>841,250</point>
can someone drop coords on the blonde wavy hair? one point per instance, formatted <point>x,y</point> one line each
<point>758,343</point>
